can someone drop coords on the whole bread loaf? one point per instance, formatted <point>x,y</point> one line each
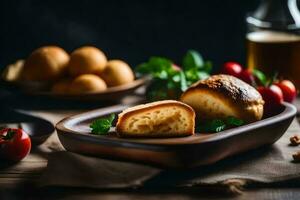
<point>158,119</point>
<point>221,96</point>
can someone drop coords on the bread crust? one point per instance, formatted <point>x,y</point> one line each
<point>234,92</point>
<point>148,107</point>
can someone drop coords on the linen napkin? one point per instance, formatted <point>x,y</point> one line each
<point>268,165</point>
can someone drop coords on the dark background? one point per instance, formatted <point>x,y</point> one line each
<point>131,30</point>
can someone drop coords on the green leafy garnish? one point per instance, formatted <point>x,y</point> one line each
<point>157,67</point>
<point>264,80</point>
<point>102,126</point>
<point>232,121</point>
<point>192,59</point>
<point>168,82</point>
<point>260,76</point>
<point>218,125</point>
<point>215,125</point>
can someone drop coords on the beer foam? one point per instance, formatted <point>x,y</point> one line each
<point>272,37</point>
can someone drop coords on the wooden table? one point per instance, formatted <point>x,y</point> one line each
<point>16,181</point>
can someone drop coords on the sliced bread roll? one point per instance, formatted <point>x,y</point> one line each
<point>221,96</point>
<point>158,119</point>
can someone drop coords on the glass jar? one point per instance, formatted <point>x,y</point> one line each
<point>273,39</point>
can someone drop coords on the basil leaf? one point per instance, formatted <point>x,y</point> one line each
<point>215,125</point>
<point>192,59</point>
<point>260,76</point>
<point>232,121</point>
<point>207,67</point>
<point>157,67</point>
<point>203,75</point>
<point>218,125</point>
<point>183,82</point>
<point>102,126</point>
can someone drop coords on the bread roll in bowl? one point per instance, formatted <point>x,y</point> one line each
<point>13,71</point>
<point>221,96</point>
<point>117,72</point>
<point>45,64</point>
<point>86,60</point>
<point>87,83</point>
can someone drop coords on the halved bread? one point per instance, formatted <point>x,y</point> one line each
<point>158,119</point>
<point>221,96</point>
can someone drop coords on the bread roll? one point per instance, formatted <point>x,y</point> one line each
<point>221,96</point>
<point>117,72</point>
<point>158,119</point>
<point>45,64</point>
<point>86,60</point>
<point>13,71</point>
<point>87,83</point>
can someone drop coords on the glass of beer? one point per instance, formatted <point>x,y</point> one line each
<point>273,43</point>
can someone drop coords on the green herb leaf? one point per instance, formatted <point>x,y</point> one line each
<point>169,83</point>
<point>232,121</point>
<point>218,125</point>
<point>157,67</point>
<point>260,76</point>
<point>192,59</point>
<point>102,126</point>
<point>202,75</point>
<point>183,82</point>
<point>215,125</point>
<point>207,66</point>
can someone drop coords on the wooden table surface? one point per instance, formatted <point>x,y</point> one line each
<point>17,180</point>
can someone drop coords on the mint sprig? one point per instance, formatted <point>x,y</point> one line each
<point>102,126</point>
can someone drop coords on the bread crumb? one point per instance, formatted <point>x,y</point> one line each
<point>296,156</point>
<point>295,140</point>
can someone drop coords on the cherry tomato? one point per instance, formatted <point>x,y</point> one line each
<point>247,76</point>
<point>273,98</point>
<point>288,90</point>
<point>15,144</point>
<point>232,68</point>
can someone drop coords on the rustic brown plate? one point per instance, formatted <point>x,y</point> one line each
<point>191,151</point>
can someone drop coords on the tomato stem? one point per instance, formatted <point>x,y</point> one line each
<point>9,135</point>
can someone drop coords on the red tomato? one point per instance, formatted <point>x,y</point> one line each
<point>273,98</point>
<point>288,90</point>
<point>232,68</point>
<point>15,144</point>
<point>247,76</point>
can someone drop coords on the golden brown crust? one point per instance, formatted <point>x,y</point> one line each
<point>117,72</point>
<point>86,60</point>
<point>148,107</point>
<point>235,93</point>
<point>45,64</point>
<point>87,83</point>
<point>229,87</point>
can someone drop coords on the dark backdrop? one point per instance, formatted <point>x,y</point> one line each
<point>131,30</point>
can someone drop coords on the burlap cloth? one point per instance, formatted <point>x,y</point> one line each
<point>265,166</point>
